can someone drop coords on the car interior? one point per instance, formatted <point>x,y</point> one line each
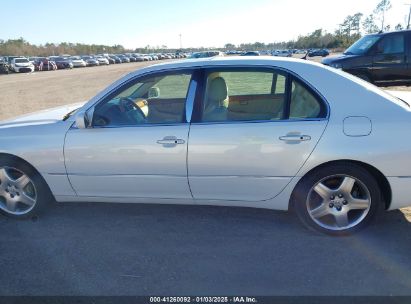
<point>229,96</point>
<point>235,96</point>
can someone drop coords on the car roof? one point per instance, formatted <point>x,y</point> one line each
<point>228,61</point>
<point>389,33</point>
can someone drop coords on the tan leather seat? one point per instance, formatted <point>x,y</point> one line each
<point>216,100</point>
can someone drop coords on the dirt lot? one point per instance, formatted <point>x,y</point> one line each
<point>25,93</point>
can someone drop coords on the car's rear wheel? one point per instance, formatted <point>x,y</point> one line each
<point>338,199</point>
<point>23,192</point>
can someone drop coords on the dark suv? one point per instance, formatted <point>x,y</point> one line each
<point>378,57</point>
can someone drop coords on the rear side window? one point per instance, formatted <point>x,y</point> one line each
<point>258,95</point>
<point>244,96</point>
<point>303,103</point>
<point>392,44</point>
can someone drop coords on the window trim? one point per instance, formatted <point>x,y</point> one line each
<point>290,75</point>
<point>316,96</point>
<point>140,78</point>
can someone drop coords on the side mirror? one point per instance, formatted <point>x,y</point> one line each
<point>84,118</point>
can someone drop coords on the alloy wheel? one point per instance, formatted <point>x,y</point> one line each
<point>338,202</point>
<point>18,193</point>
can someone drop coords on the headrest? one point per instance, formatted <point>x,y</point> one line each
<point>217,90</point>
<point>154,92</point>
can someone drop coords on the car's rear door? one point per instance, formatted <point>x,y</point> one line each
<point>126,155</point>
<point>252,142</point>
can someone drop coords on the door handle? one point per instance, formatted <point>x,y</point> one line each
<point>171,141</point>
<point>295,138</point>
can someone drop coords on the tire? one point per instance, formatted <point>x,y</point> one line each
<point>340,211</point>
<point>36,192</point>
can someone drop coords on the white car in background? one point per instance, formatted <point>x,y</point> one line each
<point>260,132</point>
<point>102,60</point>
<point>78,62</point>
<point>20,65</point>
<point>282,53</point>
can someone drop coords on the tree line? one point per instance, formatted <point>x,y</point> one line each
<point>22,47</point>
<point>348,31</point>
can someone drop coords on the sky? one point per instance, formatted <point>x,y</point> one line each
<point>208,23</point>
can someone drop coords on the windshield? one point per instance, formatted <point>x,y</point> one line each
<point>22,60</point>
<point>362,46</point>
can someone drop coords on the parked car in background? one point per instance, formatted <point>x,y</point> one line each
<point>9,59</point>
<point>138,57</point>
<point>44,64</point>
<point>282,53</point>
<point>102,60</point>
<point>21,65</point>
<point>115,58</point>
<point>4,66</point>
<point>62,62</point>
<point>251,53</point>
<point>381,57</point>
<point>78,62</point>
<point>123,58</point>
<point>90,60</point>
<point>300,52</point>
<point>131,57</point>
<point>32,59</point>
<point>321,52</point>
<point>206,54</point>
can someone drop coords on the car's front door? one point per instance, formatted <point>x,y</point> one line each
<point>137,145</point>
<point>255,131</point>
<point>389,60</point>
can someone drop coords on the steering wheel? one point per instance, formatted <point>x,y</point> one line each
<point>133,112</point>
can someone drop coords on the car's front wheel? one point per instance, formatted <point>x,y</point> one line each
<point>338,199</point>
<point>23,192</point>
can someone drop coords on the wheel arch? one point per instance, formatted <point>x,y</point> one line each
<point>382,181</point>
<point>4,155</point>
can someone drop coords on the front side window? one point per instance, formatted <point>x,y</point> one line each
<point>244,96</point>
<point>158,99</point>
<point>392,44</point>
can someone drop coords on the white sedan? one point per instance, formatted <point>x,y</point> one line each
<point>253,132</point>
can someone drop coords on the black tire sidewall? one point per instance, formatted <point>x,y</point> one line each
<point>301,191</point>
